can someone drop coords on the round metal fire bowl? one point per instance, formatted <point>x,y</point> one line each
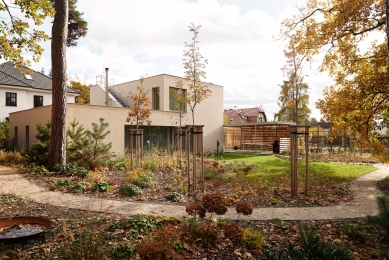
<point>43,223</point>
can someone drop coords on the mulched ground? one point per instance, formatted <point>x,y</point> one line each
<point>362,239</point>
<point>236,189</point>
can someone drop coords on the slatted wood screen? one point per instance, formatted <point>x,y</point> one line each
<point>257,137</point>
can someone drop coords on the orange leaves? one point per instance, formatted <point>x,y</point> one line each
<point>139,113</point>
<point>357,102</point>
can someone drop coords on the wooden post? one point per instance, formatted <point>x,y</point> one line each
<point>131,147</point>
<point>187,147</point>
<point>306,159</point>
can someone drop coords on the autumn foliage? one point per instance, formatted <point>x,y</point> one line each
<point>140,111</point>
<point>356,103</point>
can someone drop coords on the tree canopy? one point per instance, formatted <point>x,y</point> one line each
<point>343,33</point>
<point>84,97</point>
<point>16,36</point>
<point>194,72</point>
<point>293,102</point>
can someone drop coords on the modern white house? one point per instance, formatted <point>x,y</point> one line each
<point>19,91</point>
<point>114,107</point>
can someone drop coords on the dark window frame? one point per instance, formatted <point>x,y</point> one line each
<point>38,101</point>
<point>156,98</point>
<point>174,104</point>
<point>11,99</point>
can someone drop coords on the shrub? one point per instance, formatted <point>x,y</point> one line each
<point>160,245</point>
<point>244,208</point>
<point>131,190</point>
<point>39,152</point>
<point>195,209</point>
<point>37,170</point>
<point>353,232</point>
<point>311,247</point>
<point>253,238</point>
<point>140,177</point>
<point>72,169</point>
<point>11,157</point>
<point>382,219</point>
<point>233,232</point>
<point>125,250</point>
<point>174,196</point>
<point>85,146</point>
<point>4,135</point>
<point>87,244</point>
<point>79,186</point>
<point>101,186</point>
<point>215,203</point>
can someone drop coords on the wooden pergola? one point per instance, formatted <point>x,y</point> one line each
<point>258,136</point>
<point>261,137</point>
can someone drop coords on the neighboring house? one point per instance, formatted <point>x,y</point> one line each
<point>165,115</point>
<point>25,91</point>
<point>245,115</point>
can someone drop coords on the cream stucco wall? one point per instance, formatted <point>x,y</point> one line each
<point>208,113</point>
<point>25,99</point>
<point>27,118</point>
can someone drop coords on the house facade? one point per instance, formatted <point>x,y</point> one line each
<point>245,115</point>
<point>25,91</point>
<point>165,117</point>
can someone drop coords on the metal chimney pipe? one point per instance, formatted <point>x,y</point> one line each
<point>106,86</point>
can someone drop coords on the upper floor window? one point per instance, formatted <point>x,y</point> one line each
<point>155,98</point>
<point>260,118</point>
<point>38,101</point>
<point>177,99</point>
<point>10,99</point>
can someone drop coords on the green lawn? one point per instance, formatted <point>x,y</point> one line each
<point>275,170</point>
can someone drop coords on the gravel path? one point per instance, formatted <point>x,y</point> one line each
<point>364,189</point>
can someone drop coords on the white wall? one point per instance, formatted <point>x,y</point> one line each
<point>25,99</point>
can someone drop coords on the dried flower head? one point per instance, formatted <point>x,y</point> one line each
<point>244,208</point>
<point>194,209</point>
<point>233,232</point>
<point>216,203</point>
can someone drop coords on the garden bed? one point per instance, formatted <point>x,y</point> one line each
<point>118,237</point>
<point>239,180</point>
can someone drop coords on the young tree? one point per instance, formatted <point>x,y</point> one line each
<point>357,103</point>
<point>194,65</point>
<point>293,102</point>
<point>140,111</point>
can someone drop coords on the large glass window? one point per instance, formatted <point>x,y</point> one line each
<point>155,98</point>
<point>38,101</point>
<point>177,99</point>
<point>10,99</point>
<point>153,136</point>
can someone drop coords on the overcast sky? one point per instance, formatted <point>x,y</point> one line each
<point>135,37</point>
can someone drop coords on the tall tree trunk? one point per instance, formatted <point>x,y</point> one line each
<point>387,23</point>
<point>57,150</point>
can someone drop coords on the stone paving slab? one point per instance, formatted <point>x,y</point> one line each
<point>364,189</point>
